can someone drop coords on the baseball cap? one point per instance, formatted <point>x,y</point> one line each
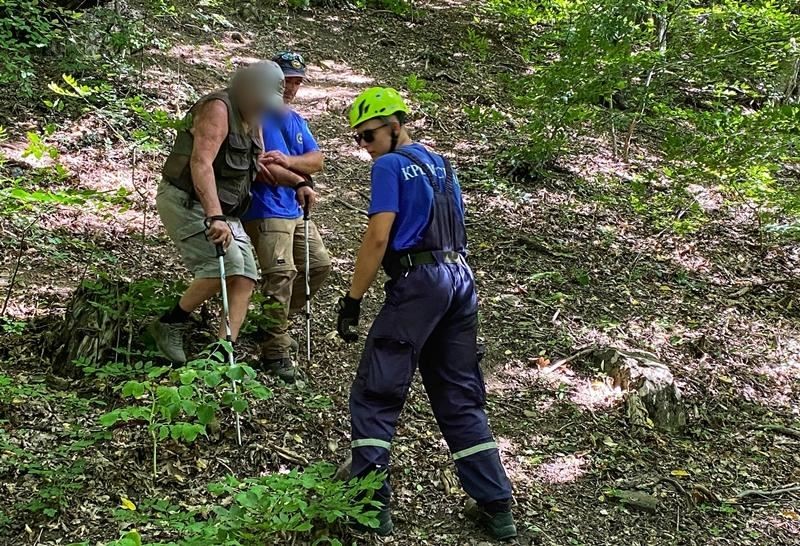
<point>291,63</point>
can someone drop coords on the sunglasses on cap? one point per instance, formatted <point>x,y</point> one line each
<point>368,136</point>
<point>293,59</point>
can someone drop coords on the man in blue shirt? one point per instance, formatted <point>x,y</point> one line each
<point>429,319</point>
<point>275,223</point>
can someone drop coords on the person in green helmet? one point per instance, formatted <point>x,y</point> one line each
<point>429,320</point>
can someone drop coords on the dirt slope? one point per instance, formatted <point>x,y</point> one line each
<point>563,262</point>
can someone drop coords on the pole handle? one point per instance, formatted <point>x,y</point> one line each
<point>306,211</point>
<point>220,250</point>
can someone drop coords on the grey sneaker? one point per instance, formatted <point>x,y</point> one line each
<point>169,339</point>
<point>284,368</point>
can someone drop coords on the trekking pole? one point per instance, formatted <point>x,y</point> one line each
<point>228,335</point>
<point>306,219</point>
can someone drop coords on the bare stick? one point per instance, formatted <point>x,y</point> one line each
<point>13,279</point>
<point>786,431</point>
<point>791,488</point>
<point>351,207</point>
<point>558,363</point>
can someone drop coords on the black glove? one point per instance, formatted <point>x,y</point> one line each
<point>349,312</point>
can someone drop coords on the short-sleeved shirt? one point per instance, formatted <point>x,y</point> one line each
<point>401,187</point>
<point>285,132</point>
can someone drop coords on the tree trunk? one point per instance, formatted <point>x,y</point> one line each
<point>94,326</point>
<point>653,398</point>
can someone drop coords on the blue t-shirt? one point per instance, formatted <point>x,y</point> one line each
<point>285,132</point>
<point>399,186</point>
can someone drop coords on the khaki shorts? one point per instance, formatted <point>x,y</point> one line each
<point>184,220</point>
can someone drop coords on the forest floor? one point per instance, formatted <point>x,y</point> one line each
<point>563,262</point>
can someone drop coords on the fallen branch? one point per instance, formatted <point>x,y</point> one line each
<point>20,252</point>
<point>448,77</point>
<point>289,455</point>
<point>558,363</point>
<point>676,485</point>
<point>351,206</point>
<point>757,286</point>
<point>780,429</point>
<point>791,488</point>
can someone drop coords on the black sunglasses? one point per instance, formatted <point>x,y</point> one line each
<point>368,136</point>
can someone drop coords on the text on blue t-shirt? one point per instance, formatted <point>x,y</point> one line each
<point>401,187</point>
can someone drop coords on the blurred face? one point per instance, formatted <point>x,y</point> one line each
<point>293,83</point>
<point>375,136</point>
<point>250,106</point>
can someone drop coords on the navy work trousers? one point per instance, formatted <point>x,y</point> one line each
<point>430,317</point>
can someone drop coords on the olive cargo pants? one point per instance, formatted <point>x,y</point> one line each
<point>280,247</point>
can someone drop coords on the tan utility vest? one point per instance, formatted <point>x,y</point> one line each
<point>235,166</point>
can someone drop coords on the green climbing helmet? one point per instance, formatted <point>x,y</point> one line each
<point>376,102</point>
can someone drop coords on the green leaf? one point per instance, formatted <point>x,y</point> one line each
<point>188,377</point>
<point>235,372</point>
<point>189,407</point>
<point>158,372</point>
<point>213,379</point>
<point>186,391</point>
<point>259,391</point>
<point>239,405</point>
<point>134,388</point>
<point>176,431</point>
<point>205,413</point>
<point>109,419</point>
<point>191,432</point>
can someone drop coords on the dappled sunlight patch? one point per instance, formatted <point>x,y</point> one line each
<point>595,394</point>
<point>709,199</point>
<point>525,463</point>
<point>95,225</point>
<point>563,469</point>
<point>785,520</point>
<point>215,56</point>
<point>686,256</point>
<point>597,161</point>
<point>515,462</point>
<point>337,73</point>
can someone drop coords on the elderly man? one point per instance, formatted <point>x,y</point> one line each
<point>275,222</point>
<point>204,191</point>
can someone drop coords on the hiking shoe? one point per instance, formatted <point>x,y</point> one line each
<point>283,368</point>
<point>500,525</point>
<point>385,524</point>
<point>169,339</point>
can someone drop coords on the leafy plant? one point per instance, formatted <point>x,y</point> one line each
<point>428,100</point>
<point>293,503</point>
<point>37,147</point>
<point>711,85</point>
<point>27,28</point>
<point>262,314</point>
<point>477,43</point>
<point>398,7</point>
<point>280,508</point>
<point>186,402</point>
<point>55,487</point>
